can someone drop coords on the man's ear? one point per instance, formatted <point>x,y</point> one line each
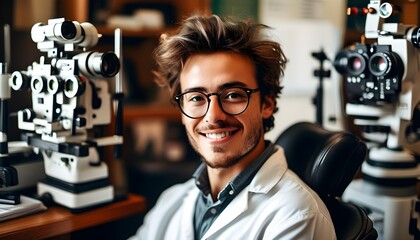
<point>267,107</point>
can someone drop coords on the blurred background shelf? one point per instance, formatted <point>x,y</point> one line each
<point>133,112</point>
<point>142,33</point>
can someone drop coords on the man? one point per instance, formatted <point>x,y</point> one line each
<point>224,76</point>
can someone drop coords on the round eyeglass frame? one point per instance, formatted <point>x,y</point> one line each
<point>248,92</point>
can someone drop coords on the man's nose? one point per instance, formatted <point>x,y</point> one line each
<point>215,112</point>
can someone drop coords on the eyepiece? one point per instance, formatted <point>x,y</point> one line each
<point>350,63</point>
<point>382,64</point>
<point>110,64</point>
<point>39,84</point>
<point>68,30</point>
<point>61,31</point>
<point>19,81</point>
<point>356,64</point>
<point>54,84</point>
<point>98,64</point>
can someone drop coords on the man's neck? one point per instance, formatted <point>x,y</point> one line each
<point>219,177</point>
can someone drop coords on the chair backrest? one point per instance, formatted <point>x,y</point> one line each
<point>328,161</point>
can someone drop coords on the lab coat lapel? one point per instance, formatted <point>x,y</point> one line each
<point>266,178</point>
<point>188,208</point>
<point>238,205</point>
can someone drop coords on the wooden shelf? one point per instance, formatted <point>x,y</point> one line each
<point>56,221</point>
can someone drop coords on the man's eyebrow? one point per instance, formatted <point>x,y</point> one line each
<point>232,84</point>
<point>195,89</point>
<point>219,88</point>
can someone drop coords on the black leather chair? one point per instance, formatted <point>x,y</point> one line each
<point>328,161</point>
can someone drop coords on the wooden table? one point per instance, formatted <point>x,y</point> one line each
<point>56,220</point>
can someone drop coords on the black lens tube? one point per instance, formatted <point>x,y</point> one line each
<point>382,64</point>
<point>68,30</point>
<point>350,63</point>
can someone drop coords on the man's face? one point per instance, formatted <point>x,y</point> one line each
<point>222,139</point>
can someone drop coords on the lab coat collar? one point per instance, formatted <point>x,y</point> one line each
<point>270,173</point>
<point>265,179</point>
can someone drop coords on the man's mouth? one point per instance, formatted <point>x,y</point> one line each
<point>218,135</point>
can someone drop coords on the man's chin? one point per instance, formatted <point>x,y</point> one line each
<point>221,161</point>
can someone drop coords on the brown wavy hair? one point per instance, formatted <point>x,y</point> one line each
<point>207,34</point>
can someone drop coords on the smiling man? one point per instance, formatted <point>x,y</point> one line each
<point>224,75</point>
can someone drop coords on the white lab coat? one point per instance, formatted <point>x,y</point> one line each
<point>275,205</point>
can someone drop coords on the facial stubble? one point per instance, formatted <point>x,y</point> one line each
<point>250,143</point>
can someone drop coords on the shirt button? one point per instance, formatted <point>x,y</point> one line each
<point>213,211</point>
<point>231,192</point>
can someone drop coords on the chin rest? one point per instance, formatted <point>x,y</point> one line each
<point>327,161</point>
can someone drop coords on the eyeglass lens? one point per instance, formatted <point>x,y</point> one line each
<point>232,101</point>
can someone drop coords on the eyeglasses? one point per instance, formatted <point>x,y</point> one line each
<point>233,101</point>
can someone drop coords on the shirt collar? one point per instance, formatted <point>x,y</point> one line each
<point>237,183</point>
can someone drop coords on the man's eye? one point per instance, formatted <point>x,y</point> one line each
<point>196,99</point>
<point>234,95</point>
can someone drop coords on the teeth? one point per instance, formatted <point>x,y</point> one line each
<point>217,135</point>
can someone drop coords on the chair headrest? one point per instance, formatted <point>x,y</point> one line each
<point>327,161</point>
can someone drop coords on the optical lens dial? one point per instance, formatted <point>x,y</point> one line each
<point>413,36</point>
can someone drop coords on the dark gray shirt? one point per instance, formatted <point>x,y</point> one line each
<point>206,210</point>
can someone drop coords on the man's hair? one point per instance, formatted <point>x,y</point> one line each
<point>210,34</point>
